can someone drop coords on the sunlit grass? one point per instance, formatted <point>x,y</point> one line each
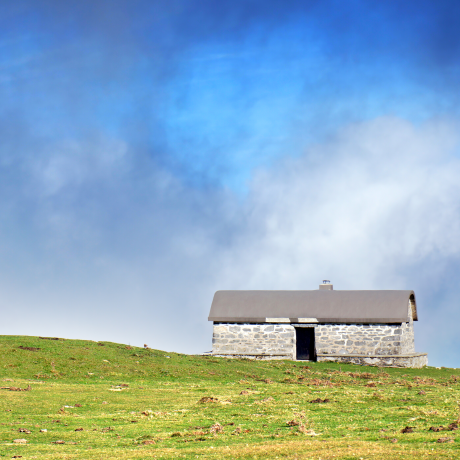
<point>132,403</point>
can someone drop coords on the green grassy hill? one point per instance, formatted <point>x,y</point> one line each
<point>107,400</point>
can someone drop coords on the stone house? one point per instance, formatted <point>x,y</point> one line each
<point>362,327</point>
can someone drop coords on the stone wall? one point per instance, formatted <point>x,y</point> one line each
<point>407,342</point>
<point>365,339</point>
<point>254,340</point>
<point>279,340</point>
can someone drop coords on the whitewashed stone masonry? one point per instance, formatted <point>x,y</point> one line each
<point>279,340</point>
<point>364,339</point>
<point>254,340</point>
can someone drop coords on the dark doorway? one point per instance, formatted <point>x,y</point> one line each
<point>305,343</point>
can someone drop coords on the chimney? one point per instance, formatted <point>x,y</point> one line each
<point>326,286</point>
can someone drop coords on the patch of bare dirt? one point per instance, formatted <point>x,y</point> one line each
<point>319,401</point>
<point>16,388</point>
<point>208,399</point>
<point>293,423</point>
<point>408,429</point>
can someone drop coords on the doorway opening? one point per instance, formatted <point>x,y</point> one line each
<point>305,343</point>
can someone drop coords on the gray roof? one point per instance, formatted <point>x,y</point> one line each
<point>313,306</point>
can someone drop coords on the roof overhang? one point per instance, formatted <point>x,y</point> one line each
<point>325,306</point>
<point>317,320</point>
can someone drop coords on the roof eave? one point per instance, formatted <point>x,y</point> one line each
<point>314,320</point>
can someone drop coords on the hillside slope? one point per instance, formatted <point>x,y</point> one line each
<point>108,400</point>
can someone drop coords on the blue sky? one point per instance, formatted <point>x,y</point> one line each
<point>154,152</point>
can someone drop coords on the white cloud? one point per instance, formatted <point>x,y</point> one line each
<point>362,208</point>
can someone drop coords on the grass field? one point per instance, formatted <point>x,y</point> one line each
<point>107,400</point>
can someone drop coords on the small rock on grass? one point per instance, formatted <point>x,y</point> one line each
<point>304,430</point>
<point>148,441</point>
<point>445,440</point>
<point>216,428</point>
<point>20,441</point>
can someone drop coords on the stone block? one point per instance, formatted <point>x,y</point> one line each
<point>286,334</point>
